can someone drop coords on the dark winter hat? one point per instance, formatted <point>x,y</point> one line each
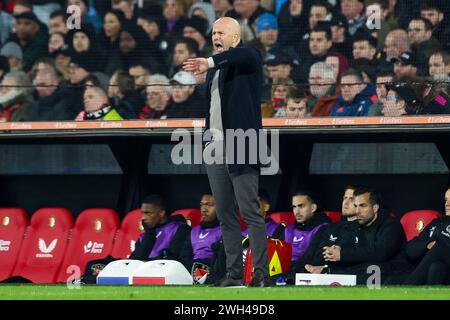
<point>405,92</point>
<point>84,60</point>
<point>406,58</point>
<point>198,23</point>
<point>28,15</point>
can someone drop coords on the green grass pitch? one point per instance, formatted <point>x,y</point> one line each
<point>92,292</point>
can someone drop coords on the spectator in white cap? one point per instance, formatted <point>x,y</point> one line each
<point>186,101</point>
<point>13,52</point>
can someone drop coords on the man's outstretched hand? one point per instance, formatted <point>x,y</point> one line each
<point>196,65</point>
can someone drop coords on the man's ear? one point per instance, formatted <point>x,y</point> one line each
<point>376,208</point>
<point>314,207</point>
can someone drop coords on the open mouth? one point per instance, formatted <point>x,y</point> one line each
<point>218,46</point>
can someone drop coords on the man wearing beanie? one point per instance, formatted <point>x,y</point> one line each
<point>196,28</point>
<point>266,35</point>
<point>13,52</point>
<point>32,37</point>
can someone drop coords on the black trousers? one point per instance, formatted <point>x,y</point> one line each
<point>434,268</point>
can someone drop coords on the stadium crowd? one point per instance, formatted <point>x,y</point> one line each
<point>124,61</point>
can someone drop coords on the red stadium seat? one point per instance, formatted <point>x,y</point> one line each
<point>286,218</point>
<point>91,239</point>
<point>13,223</point>
<point>193,216</point>
<point>414,222</point>
<point>45,245</point>
<point>128,234</point>
<point>335,216</point>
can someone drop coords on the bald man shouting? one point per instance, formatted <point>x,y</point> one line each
<point>234,81</point>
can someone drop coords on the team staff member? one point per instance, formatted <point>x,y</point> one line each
<point>234,83</point>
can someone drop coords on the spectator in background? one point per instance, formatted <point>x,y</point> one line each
<point>53,101</point>
<point>32,37</point>
<point>354,11</point>
<point>184,48</point>
<point>382,80</point>
<point>400,100</point>
<point>196,29</point>
<point>97,107</point>
<point>56,42</point>
<point>13,52</point>
<point>21,6</point>
<point>354,99</point>
<point>154,27</point>
<point>387,22</point>
<point>175,14</point>
<point>134,47</point>
<point>62,59</point>
<point>397,42</point>
<point>246,12</point>
<point>438,64</point>
<point>221,7</point>
<point>140,72</point>
<point>15,97</point>
<point>279,91</point>
<point>436,15</point>
<point>292,21</point>
<point>266,35</point>
<point>6,26</point>
<point>338,63</point>
<point>342,41</point>
<point>278,66</point>
<point>159,96</point>
<point>320,11</point>
<point>58,22</point>
<point>324,92</point>
<point>127,7</point>
<point>320,43</point>
<point>420,37</point>
<point>406,63</point>
<point>109,40</point>
<point>364,46</point>
<point>295,106</point>
<point>123,95</point>
<point>206,11</point>
<point>186,101</point>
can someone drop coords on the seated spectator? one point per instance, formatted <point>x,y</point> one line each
<point>378,240</point>
<point>134,47</point>
<point>140,72</point>
<point>186,101</point>
<point>183,49</point>
<point>324,92</point>
<point>164,237</point>
<point>53,101</point>
<point>429,251</point>
<point>420,36</point>
<point>438,64</point>
<point>246,12</point>
<point>32,37</point>
<point>436,97</point>
<point>89,16</point>
<point>292,21</point>
<point>16,97</point>
<point>406,63</point>
<point>127,7</point>
<point>438,17</point>
<point>266,35</point>
<point>206,245</point>
<point>7,26</point>
<point>279,91</point>
<point>342,41</point>
<point>174,12</point>
<point>308,227</point>
<point>109,38</point>
<point>403,97</point>
<point>295,106</point>
<point>278,66</point>
<point>355,100</point>
<point>338,62</point>
<point>97,106</point>
<point>58,22</point>
<point>382,80</point>
<point>123,95</point>
<point>221,7</point>
<point>56,42</point>
<point>154,27</point>
<point>354,11</point>
<point>159,95</point>
<point>62,57</point>
<point>196,29</point>
<point>13,52</point>
<point>206,11</point>
<point>386,20</point>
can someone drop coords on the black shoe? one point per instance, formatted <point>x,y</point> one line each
<point>228,281</point>
<point>259,280</point>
